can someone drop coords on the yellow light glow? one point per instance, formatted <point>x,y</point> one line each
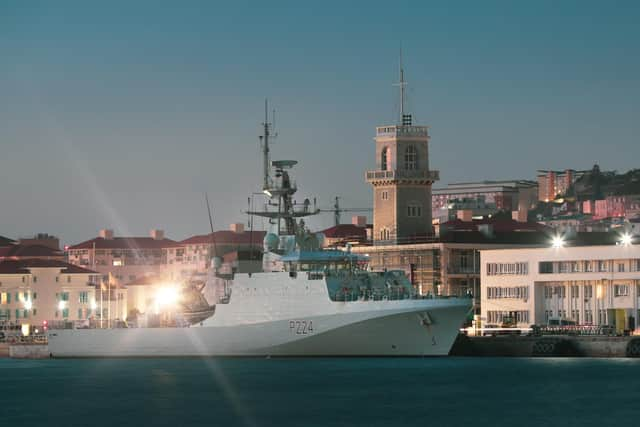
<point>61,305</point>
<point>599,291</point>
<point>93,305</point>
<point>167,296</point>
<point>28,305</point>
<point>25,329</point>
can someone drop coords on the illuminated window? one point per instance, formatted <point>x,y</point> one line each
<point>117,262</point>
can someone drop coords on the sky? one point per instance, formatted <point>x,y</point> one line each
<point>123,114</point>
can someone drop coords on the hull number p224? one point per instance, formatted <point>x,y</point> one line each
<point>301,327</point>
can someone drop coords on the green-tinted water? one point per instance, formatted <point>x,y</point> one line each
<point>320,392</point>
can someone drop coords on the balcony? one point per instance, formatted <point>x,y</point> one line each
<point>394,175</point>
<point>403,131</point>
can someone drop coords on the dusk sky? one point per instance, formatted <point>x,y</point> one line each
<point>123,114</point>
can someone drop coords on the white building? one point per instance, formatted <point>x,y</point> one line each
<point>35,290</point>
<point>591,285</point>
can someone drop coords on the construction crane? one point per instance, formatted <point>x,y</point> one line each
<point>337,210</point>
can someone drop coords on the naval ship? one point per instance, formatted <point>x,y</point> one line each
<point>306,301</point>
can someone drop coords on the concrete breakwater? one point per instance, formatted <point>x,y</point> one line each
<point>547,346</point>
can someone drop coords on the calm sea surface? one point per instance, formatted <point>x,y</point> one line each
<point>320,392</point>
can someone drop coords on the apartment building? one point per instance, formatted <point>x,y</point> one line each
<point>588,285</point>
<point>36,290</point>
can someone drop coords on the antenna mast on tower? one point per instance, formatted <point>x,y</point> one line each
<point>405,119</point>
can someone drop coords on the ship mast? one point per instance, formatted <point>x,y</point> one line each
<point>281,188</point>
<point>264,139</point>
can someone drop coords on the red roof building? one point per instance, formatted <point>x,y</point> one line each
<point>21,251</point>
<point>341,234</point>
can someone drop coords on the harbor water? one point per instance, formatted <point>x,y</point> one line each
<point>320,392</point>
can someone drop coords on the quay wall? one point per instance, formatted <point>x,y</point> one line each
<point>29,351</point>
<point>546,346</point>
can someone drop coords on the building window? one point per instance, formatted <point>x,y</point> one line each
<point>620,290</point>
<point>603,266</point>
<point>83,297</point>
<point>575,291</point>
<point>514,292</point>
<point>410,158</point>
<point>513,268</point>
<point>588,291</point>
<point>384,234</point>
<point>68,279</point>
<point>384,160</point>
<point>546,267</point>
<point>65,313</point>
<point>414,211</point>
<point>35,279</point>
<point>620,269</point>
<point>384,195</point>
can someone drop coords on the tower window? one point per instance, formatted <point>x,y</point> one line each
<point>385,234</point>
<point>384,161</point>
<point>410,158</point>
<point>384,195</point>
<point>414,211</point>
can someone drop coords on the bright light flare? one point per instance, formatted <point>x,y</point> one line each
<point>93,305</point>
<point>167,297</point>
<point>626,239</point>
<point>28,305</point>
<point>61,305</point>
<point>557,242</point>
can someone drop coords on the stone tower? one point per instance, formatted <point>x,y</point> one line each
<point>402,181</point>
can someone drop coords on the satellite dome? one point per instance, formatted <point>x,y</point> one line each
<point>270,242</point>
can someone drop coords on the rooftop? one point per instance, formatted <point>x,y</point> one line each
<point>24,266</point>
<point>126,243</point>
<point>21,251</point>
<point>345,231</point>
<point>225,237</point>
<point>5,241</point>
